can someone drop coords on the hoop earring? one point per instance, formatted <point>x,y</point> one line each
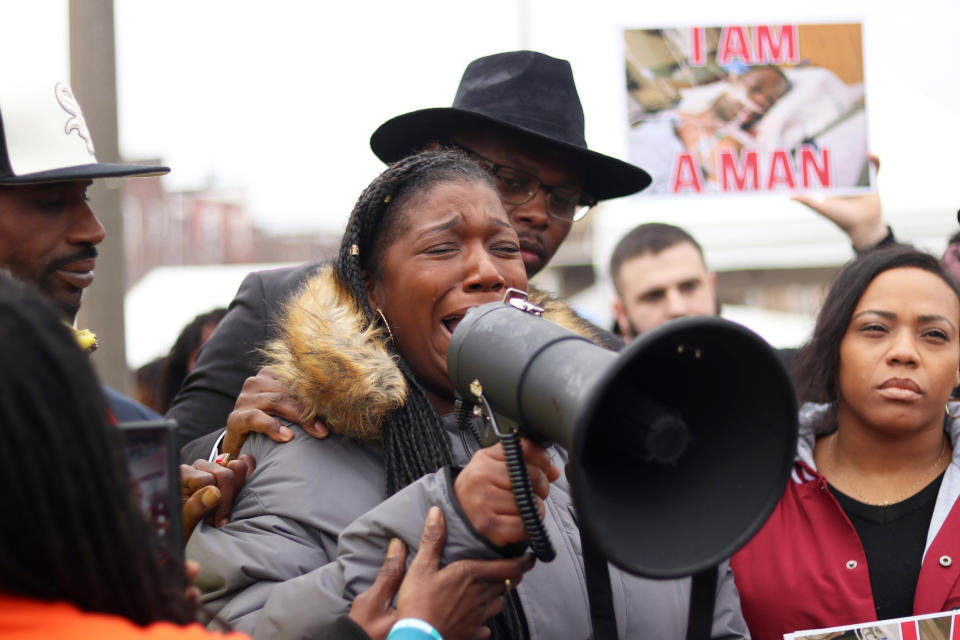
<point>386,324</point>
<point>951,415</point>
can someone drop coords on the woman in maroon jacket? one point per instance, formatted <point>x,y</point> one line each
<point>868,527</point>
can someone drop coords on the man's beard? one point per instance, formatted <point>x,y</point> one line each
<point>533,244</point>
<point>629,332</point>
<point>65,297</point>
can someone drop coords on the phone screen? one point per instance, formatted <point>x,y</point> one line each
<point>152,460</point>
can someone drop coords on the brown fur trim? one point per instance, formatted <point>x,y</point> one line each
<point>334,362</point>
<point>561,313</point>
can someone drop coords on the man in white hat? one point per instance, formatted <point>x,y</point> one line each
<point>49,234</point>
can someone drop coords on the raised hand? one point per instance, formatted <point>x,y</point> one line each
<point>860,217</point>
<point>456,600</point>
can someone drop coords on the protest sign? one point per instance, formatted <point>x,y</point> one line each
<point>748,109</point>
<point>932,626</point>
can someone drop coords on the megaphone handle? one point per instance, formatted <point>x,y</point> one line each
<point>523,494</point>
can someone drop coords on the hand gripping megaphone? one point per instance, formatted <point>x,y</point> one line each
<point>680,445</point>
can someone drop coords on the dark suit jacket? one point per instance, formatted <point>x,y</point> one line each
<point>231,355</point>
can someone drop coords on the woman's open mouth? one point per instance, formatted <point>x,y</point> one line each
<point>450,322</point>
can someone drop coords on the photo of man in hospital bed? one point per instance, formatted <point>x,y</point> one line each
<point>728,126</point>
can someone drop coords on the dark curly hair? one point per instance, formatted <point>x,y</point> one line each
<point>70,528</point>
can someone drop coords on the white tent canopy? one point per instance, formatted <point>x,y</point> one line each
<point>158,306</point>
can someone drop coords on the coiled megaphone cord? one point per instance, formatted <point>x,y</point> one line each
<point>526,503</point>
<point>516,469</point>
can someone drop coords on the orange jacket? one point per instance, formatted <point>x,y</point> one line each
<point>27,619</point>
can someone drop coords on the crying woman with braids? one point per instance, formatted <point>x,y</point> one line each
<point>363,348</point>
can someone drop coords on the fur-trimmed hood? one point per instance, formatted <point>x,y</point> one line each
<point>337,364</point>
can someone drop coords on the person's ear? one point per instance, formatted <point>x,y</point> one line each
<point>620,315</point>
<point>370,284</point>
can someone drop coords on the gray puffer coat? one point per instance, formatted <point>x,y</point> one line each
<point>277,570</point>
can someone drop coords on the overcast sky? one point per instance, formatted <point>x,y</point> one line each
<point>279,98</point>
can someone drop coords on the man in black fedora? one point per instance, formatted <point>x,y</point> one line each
<point>519,115</point>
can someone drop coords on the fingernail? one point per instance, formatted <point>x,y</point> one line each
<point>395,548</point>
<point>222,522</point>
<point>433,516</point>
<point>210,497</point>
<point>285,433</point>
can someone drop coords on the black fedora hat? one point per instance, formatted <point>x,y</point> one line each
<point>522,92</point>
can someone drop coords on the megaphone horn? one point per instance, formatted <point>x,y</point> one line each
<point>680,445</point>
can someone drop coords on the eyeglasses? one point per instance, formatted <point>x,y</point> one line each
<point>519,187</point>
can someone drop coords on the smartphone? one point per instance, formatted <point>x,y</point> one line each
<point>154,466</point>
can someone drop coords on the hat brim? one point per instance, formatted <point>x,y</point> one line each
<point>87,172</point>
<point>603,177</point>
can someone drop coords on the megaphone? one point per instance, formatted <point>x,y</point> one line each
<point>680,445</point>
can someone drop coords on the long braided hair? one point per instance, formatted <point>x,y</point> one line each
<point>414,441</point>
<point>70,529</point>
